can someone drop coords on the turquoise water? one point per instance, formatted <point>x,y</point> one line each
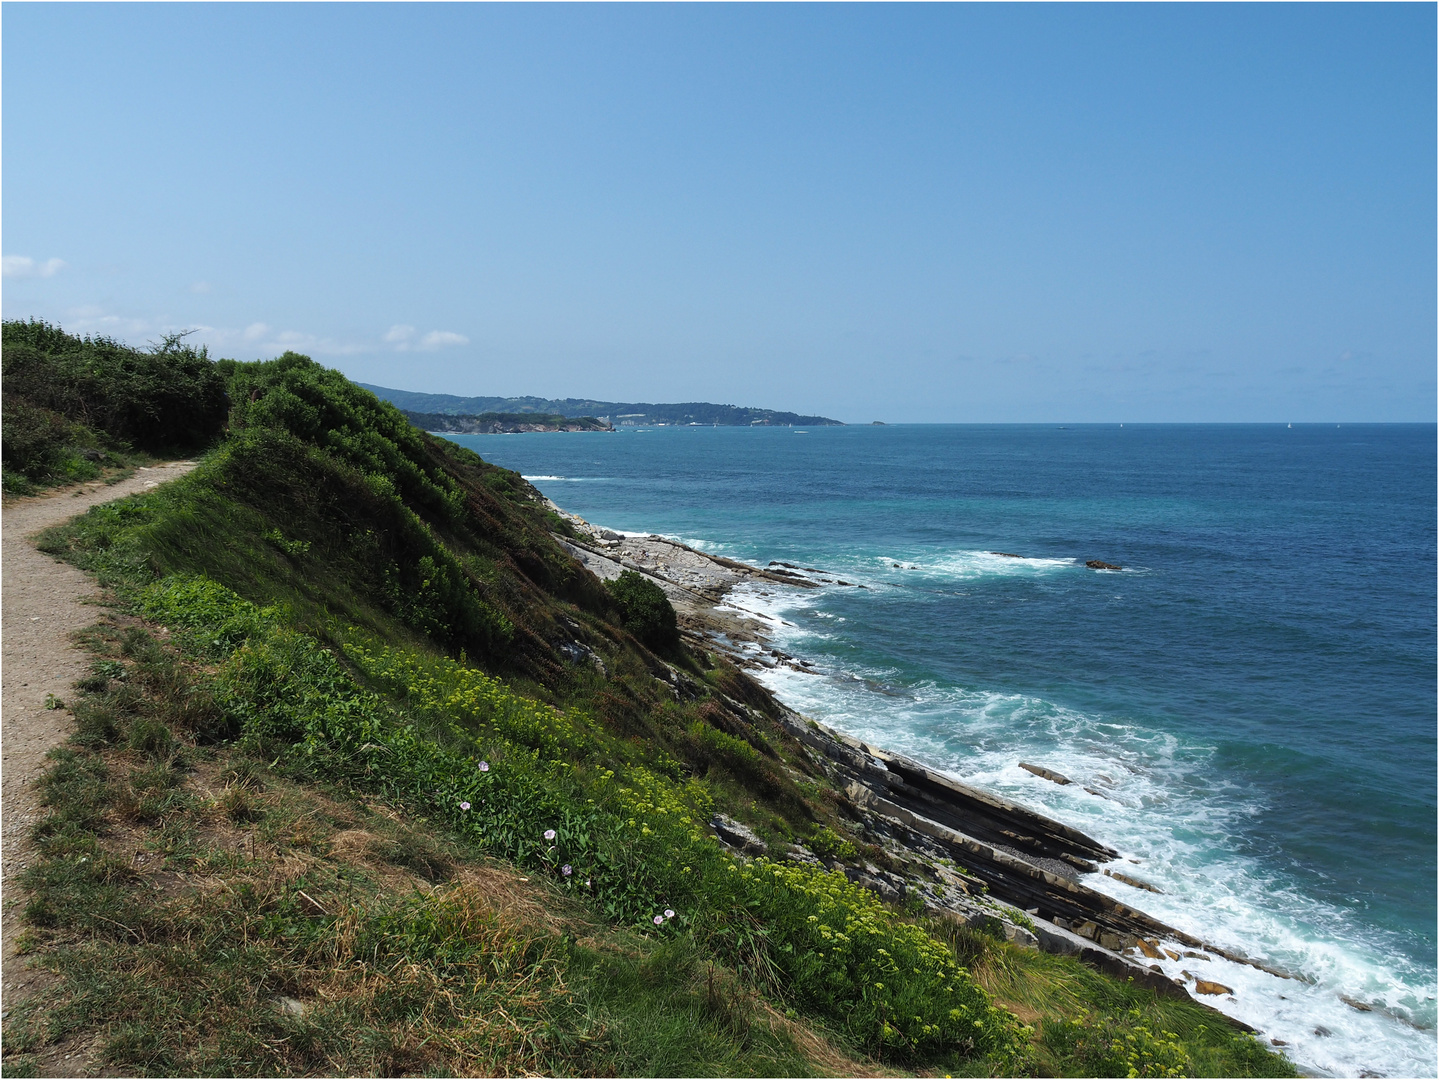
<point>1253,695</point>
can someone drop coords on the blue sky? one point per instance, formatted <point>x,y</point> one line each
<point>911,213</point>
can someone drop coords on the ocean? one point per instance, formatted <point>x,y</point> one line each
<point>1251,698</point>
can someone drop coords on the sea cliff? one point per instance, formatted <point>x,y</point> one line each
<point>954,849</point>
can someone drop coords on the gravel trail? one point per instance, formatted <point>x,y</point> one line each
<point>42,603</point>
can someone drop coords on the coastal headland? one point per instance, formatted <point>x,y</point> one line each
<point>952,848</point>
<point>355,738</point>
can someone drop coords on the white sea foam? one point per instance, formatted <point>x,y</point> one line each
<point>1164,807</point>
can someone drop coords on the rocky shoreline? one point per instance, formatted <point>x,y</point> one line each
<point>949,847</point>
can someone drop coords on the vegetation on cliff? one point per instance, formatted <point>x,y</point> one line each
<point>73,406</point>
<point>372,777</point>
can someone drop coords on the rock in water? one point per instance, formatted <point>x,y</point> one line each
<point>1204,986</point>
<point>1048,774</point>
<point>1096,564</point>
<point>1133,882</point>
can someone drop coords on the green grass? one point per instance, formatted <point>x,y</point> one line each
<point>184,935</point>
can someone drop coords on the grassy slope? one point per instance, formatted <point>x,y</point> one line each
<point>339,731</point>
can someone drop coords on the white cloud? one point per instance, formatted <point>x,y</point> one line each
<point>255,331</point>
<point>200,287</point>
<point>401,337</point>
<point>22,266</point>
<point>438,339</point>
<point>92,319</point>
<point>309,344</point>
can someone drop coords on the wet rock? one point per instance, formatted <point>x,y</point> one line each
<point>1048,774</point>
<point>740,837</point>
<point>1148,948</point>
<point>1323,1032</point>
<point>1355,1004</point>
<point>1006,555</point>
<point>1097,564</point>
<point>1132,882</point>
<point>1204,986</point>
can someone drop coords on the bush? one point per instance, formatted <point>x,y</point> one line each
<point>646,610</point>
<point>1104,1046</point>
<point>39,446</point>
<point>170,397</point>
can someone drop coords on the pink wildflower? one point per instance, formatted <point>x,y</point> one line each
<point>659,919</point>
<point>464,806</point>
<point>567,870</point>
<point>549,834</point>
<point>669,913</point>
<point>484,766</point>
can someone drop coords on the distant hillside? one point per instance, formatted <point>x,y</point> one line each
<point>503,423</point>
<point>618,413</point>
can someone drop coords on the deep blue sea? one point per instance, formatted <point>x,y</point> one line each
<point>1253,695</point>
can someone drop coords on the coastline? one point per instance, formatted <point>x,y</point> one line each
<point>950,848</point>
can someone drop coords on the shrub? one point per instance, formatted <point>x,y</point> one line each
<point>828,844</point>
<point>645,608</point>
<point>170,397</point>
<point>1105,1047</point>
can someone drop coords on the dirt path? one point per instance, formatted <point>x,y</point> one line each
<point>42,603</point>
